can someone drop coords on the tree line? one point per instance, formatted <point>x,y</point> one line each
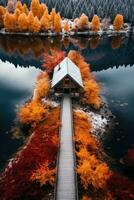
<point>17,17</point>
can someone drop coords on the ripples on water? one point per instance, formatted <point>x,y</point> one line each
<point>16,83</point>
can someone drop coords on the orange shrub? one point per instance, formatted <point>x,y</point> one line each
<point>95,23</point>
<point>85,171</point>
<point>23,22</point>
<point>118,22</point>
<point>82,130</point>
<point>83,22</point>
<point>44,175</point>
<point>91,93</point>
<point>91,169</point>
<point>100,176</point>
<point>32,112</point>
<point>42,86</point>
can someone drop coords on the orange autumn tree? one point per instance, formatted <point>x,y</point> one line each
<point>10,22</point>
<point>95,23</point>
<point>19,6</point>
<point>118,22</point>
<point>2,13</point>
<point>30,20</point>
<point>83,22</point>
<point>17,14</point>
<point>52,17</point>
<point>66,26</point>
<point>57,23</point>
<point>42,9</point>
<point>35,7</point>
<point>23,22</point>
<point>45,21</point>
<point>25,9</point>
<point>36,25</point>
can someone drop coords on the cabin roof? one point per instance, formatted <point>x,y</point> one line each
<point>66,68</point>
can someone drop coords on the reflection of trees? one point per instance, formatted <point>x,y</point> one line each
<point>36,45</point>
<point>82,42</point>
<point>94,42</point>
<point>66,42</point>
<point>27,50</point>
<point>116,42</point>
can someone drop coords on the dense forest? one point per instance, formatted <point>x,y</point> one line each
<point>103,8</point>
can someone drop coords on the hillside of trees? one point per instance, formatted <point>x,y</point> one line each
<point>103,8</point>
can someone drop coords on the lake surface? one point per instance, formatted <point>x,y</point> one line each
<point>111,60</point>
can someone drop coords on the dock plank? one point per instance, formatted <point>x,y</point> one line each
<point>66,173</point>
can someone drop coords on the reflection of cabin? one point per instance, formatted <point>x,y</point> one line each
<point>67,79</point>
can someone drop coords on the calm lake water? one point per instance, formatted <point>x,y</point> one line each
<point>111,60</point>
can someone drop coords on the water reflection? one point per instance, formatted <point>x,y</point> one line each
<point>16,85</point>
<point>118,88</point>
<point>99,52</point>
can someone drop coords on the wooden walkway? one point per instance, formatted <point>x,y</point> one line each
<point>66,188</point>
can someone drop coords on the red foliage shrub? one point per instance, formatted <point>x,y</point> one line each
<point>15,181</point>
<point>121,187</point>
<point>129,158</point>
<point>52,59</point>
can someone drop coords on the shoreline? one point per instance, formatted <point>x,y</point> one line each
<point>71,33</point>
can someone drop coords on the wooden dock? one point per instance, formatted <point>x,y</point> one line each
<point>66,188</point>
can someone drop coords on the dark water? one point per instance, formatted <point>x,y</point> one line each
<point>111,59</point>
<point>16,85</point>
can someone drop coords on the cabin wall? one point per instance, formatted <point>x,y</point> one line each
<point>68,86</point>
